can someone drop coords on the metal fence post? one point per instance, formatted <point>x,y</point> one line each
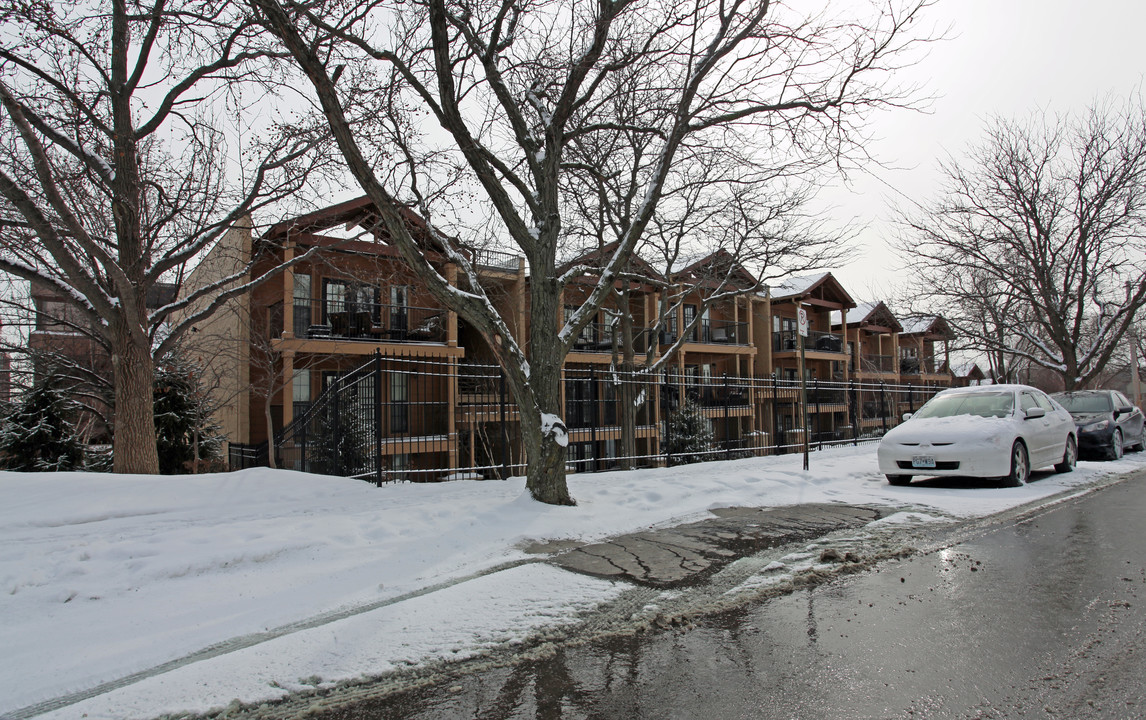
<point>336,435</point>
<point>776,434</point>
<point>666,387</point>
<point>819,416</point>
<point>853,411</point>
<point>504,430</point>
<point>727,434</point>
<point>594,414</point>
<point>883,404</point>
<point>377,417</point>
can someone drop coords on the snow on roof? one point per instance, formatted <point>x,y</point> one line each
<point>856,314</point>
<point>797,285</point>
<point>918,324</point>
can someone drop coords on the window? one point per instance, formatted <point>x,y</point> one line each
<point>1044,402</point>
<point>689,316</point>
<point>580,456</point>
<point>579,405</point>
<point>399,308</point>
<point>669,312</point>
<point>784,329</point>
<point>59,316</point>
<point>587,334</point>
<point>300,391</point>
<point>345,297</point>
<point>1027,401</point>
<point>399,402</point>
<point>400,465</point>
<point>302,313</point>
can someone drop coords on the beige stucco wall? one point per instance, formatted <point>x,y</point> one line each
<point>221,344</point>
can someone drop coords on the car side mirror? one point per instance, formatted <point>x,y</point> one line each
<point>906,417</point>
<point>1035,412</point>
<point>1123,411</point>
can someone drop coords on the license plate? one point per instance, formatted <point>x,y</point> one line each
<point>922,461</point>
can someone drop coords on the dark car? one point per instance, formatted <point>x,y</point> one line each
<point>1107,422</point>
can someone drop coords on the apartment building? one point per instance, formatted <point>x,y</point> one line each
<point>417,392</point>
<point>924,350</point>
<point>61,340</point>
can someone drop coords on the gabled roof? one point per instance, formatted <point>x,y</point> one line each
<point>598,257</point>
<point>821,286</point>
<point>876,315</point>
<point>968,370</point>
<point>931,326</point>
<point>359,212</point>
<point>716,267</point>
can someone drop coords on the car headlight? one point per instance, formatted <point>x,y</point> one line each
<point>1096,426</point>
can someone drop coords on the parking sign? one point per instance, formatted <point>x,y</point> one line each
<point>802,321</point>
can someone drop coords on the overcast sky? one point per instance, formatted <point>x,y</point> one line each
<point>1002,57</point>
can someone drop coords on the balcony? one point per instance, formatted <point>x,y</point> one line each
<point>496,260</point>
<point>598,338</point>
<point>877,364</point>
<point>720,332</point>
<point>368,322</point>
<point>918,365</point>
<point>817,341</point>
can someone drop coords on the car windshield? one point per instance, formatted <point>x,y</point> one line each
<point>981,404</point>
<point>1087,403</point>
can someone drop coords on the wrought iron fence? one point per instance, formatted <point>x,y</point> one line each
<point>400,418</point>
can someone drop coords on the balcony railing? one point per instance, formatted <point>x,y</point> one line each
<point>496,259</point>
<point>877,363</point>
<point>917,365</point>
<point>818,341</point>
<point>720,332</point>
<point>345,320</point>
<point>598,338</point>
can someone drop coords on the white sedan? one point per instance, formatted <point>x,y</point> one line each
<point>1001,431</point>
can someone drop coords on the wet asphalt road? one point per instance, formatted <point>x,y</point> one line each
<point>1042,618</point>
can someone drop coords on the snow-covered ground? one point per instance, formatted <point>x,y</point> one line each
<point>104,576</point>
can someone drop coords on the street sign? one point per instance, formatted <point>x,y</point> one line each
<point>802,321</point>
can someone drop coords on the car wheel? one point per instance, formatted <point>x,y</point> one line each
<point>1020,466</point>
<point>899,479</point>
<point>1069,456</point>
<point>1114,452</point>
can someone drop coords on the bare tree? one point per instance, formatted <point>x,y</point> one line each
<point>116,172</point>
<point>492,97</point>
<point>724,228</point>
<point>1035,249</point>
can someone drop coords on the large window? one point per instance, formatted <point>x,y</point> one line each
<point>300,391</point>
<point>399,402</point>
<point>60,317</point>
<point>689,316</point>
<point>302,312</point>
<point>399,308</point>
<point>785,330</point>
<point>349,308</point>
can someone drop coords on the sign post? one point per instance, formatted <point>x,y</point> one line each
<point>802,328</point>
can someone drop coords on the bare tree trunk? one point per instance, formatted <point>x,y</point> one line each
<point>270,433</point>
<point>546,478</point>
<point>544,434</point>
<point>134,449</point>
